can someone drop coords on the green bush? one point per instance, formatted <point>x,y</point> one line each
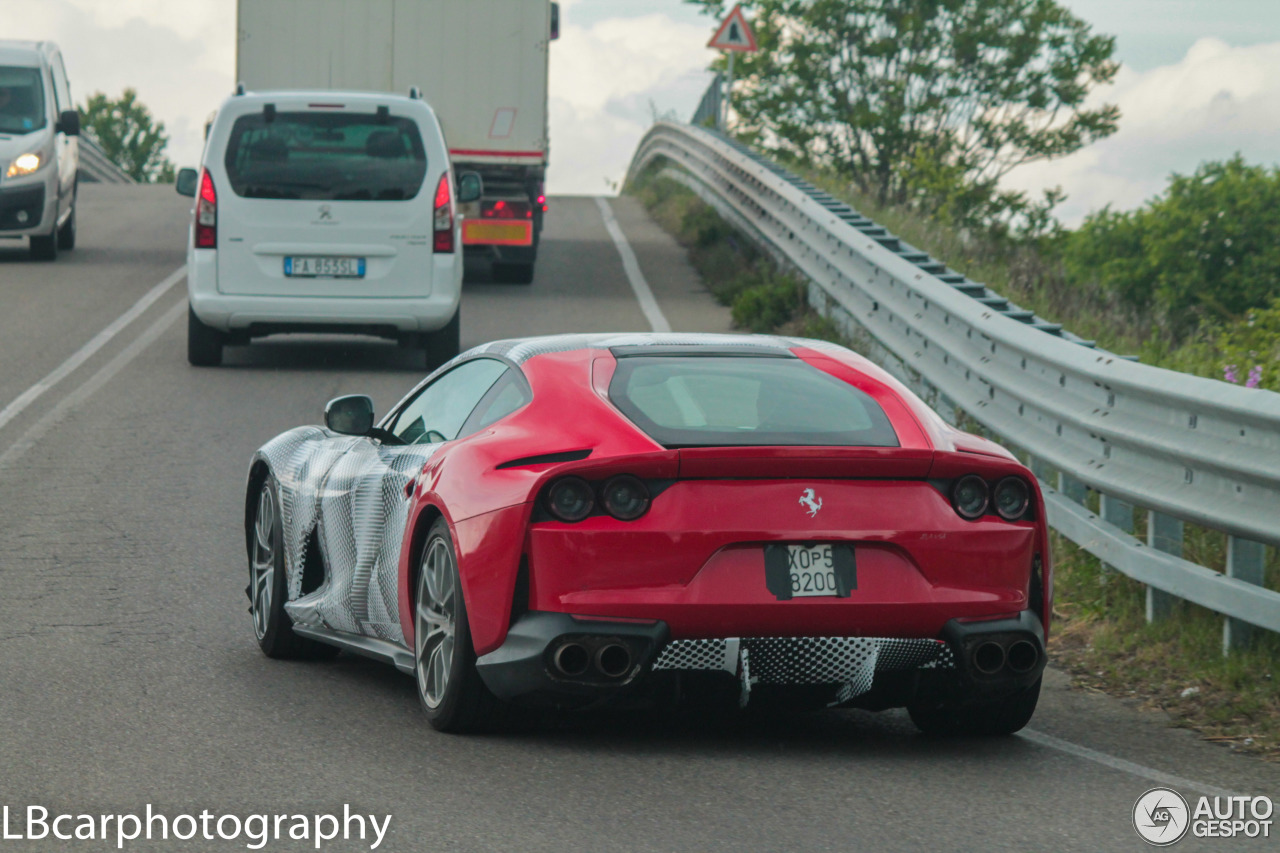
<point>1207,249</point>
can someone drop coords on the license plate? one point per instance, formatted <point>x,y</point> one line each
<point>322,267</point>
<point>810,570</point>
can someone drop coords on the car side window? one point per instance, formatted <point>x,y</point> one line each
<point>509,393</point>
<point>440,409</point>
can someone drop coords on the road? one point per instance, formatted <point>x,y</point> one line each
<point>129,674</point>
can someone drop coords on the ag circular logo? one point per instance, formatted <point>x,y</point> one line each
<point>1161,817</point>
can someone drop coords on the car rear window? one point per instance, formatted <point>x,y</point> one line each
<point>712,401</point>
<point>21,99</point>
<point>326,155</point>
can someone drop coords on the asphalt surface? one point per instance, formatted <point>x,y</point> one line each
<point>129,674</point>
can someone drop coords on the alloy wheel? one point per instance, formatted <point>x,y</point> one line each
<point>263,565</point>
<point>435,621</point>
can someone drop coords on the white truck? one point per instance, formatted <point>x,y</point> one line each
<point>480,64</point>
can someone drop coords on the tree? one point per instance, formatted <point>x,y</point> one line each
<point>131,138</point>
<point>1208,247</point>
<point>922,101</point>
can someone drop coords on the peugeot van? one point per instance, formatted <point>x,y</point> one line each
<point>39,152</point>
<point>328,212</point>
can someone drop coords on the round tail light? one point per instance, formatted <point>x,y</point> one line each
<point>970,497</point>
<point>570,499</point>
<point>625,497</point>
<point>1012,497</point>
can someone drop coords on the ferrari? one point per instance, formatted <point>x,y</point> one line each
<point>580,521</point>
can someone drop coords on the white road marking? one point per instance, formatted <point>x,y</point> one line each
<point>108,371</point>
<point>97,342</point>
<point>1122,765</point>
<point>649,305</point>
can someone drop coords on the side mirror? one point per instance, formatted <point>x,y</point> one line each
<point>186,183</point>
<point>470,187</point>
<point>352,415</point>
<point>69,123</point>
<point>555,21</point>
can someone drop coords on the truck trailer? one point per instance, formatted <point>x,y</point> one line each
<point>480,64</point>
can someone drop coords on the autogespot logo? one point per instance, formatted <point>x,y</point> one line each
<point>1161,817</point>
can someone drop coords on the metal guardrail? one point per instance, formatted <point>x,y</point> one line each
<point>96,167</point>
<point>1183,447</point>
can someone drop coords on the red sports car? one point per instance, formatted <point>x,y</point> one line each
<point>582,520</point>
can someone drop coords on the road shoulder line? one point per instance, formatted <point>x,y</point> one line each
<point>97,342</point>
<point>64,406</point>
<point>644,295</point>
<point>1051,742</point>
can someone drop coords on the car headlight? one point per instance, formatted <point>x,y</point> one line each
<point>24,164</point>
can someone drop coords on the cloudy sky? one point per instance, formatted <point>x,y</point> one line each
<point>1201,79</point>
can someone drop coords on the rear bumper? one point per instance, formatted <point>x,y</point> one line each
<point>267,314</point>
<point>535,666</point>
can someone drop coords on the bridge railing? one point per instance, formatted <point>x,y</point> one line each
<point>1184,448</point>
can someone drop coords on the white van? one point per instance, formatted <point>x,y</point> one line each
<point>324,212</point>
<point>39,152</point>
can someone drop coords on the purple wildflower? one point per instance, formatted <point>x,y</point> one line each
<point>1229,373</point>
<point>1255,377</point>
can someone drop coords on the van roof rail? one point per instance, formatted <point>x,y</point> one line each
<point>240,88</point>
<point>415,93</point>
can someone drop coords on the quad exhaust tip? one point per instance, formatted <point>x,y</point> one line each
<point>613,660</point>
<point>988,658</point>
<point>1023,656</point>
<point>572,659</point>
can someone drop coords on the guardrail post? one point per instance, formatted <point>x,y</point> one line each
<point>1246,561</point>
<point>1117,512</point>
<point>1164,533</point>
<point>1072,488</point>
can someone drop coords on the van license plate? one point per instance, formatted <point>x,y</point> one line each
<point>321,267</point>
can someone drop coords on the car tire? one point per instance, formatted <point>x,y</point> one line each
<point>204,343</point>
<point>45,248</point>
<point>512,273</point>
<point>268,587</point>
<point>67,233</point>
<point>445,343</point>
<point>1002,717</point>
<point>444,661</point>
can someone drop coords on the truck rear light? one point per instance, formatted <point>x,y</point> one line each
<point>207,213</point>
<point>542,203</point>
<point>443,218</point>
<point>504,209</point>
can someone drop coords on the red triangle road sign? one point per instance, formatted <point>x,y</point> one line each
<point>734,33</point>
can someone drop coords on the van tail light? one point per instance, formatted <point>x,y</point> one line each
<point>206,213</point>
<point>443,217</point>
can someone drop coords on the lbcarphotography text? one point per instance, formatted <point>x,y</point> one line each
<point>38,823</point>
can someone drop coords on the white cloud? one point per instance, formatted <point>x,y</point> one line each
<point>1216,101</point>
<point>180,56</point>
<point>607,80</point>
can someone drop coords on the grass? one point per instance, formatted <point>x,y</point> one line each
<point>1101,635</point>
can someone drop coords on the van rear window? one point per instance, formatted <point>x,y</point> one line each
<point>21,99</point>
<point>735,401</point>
<point>314,155</point>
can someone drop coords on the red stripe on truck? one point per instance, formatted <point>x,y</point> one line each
<point>469,152</point>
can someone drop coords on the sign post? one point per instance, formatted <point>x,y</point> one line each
<point>734,36</point>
